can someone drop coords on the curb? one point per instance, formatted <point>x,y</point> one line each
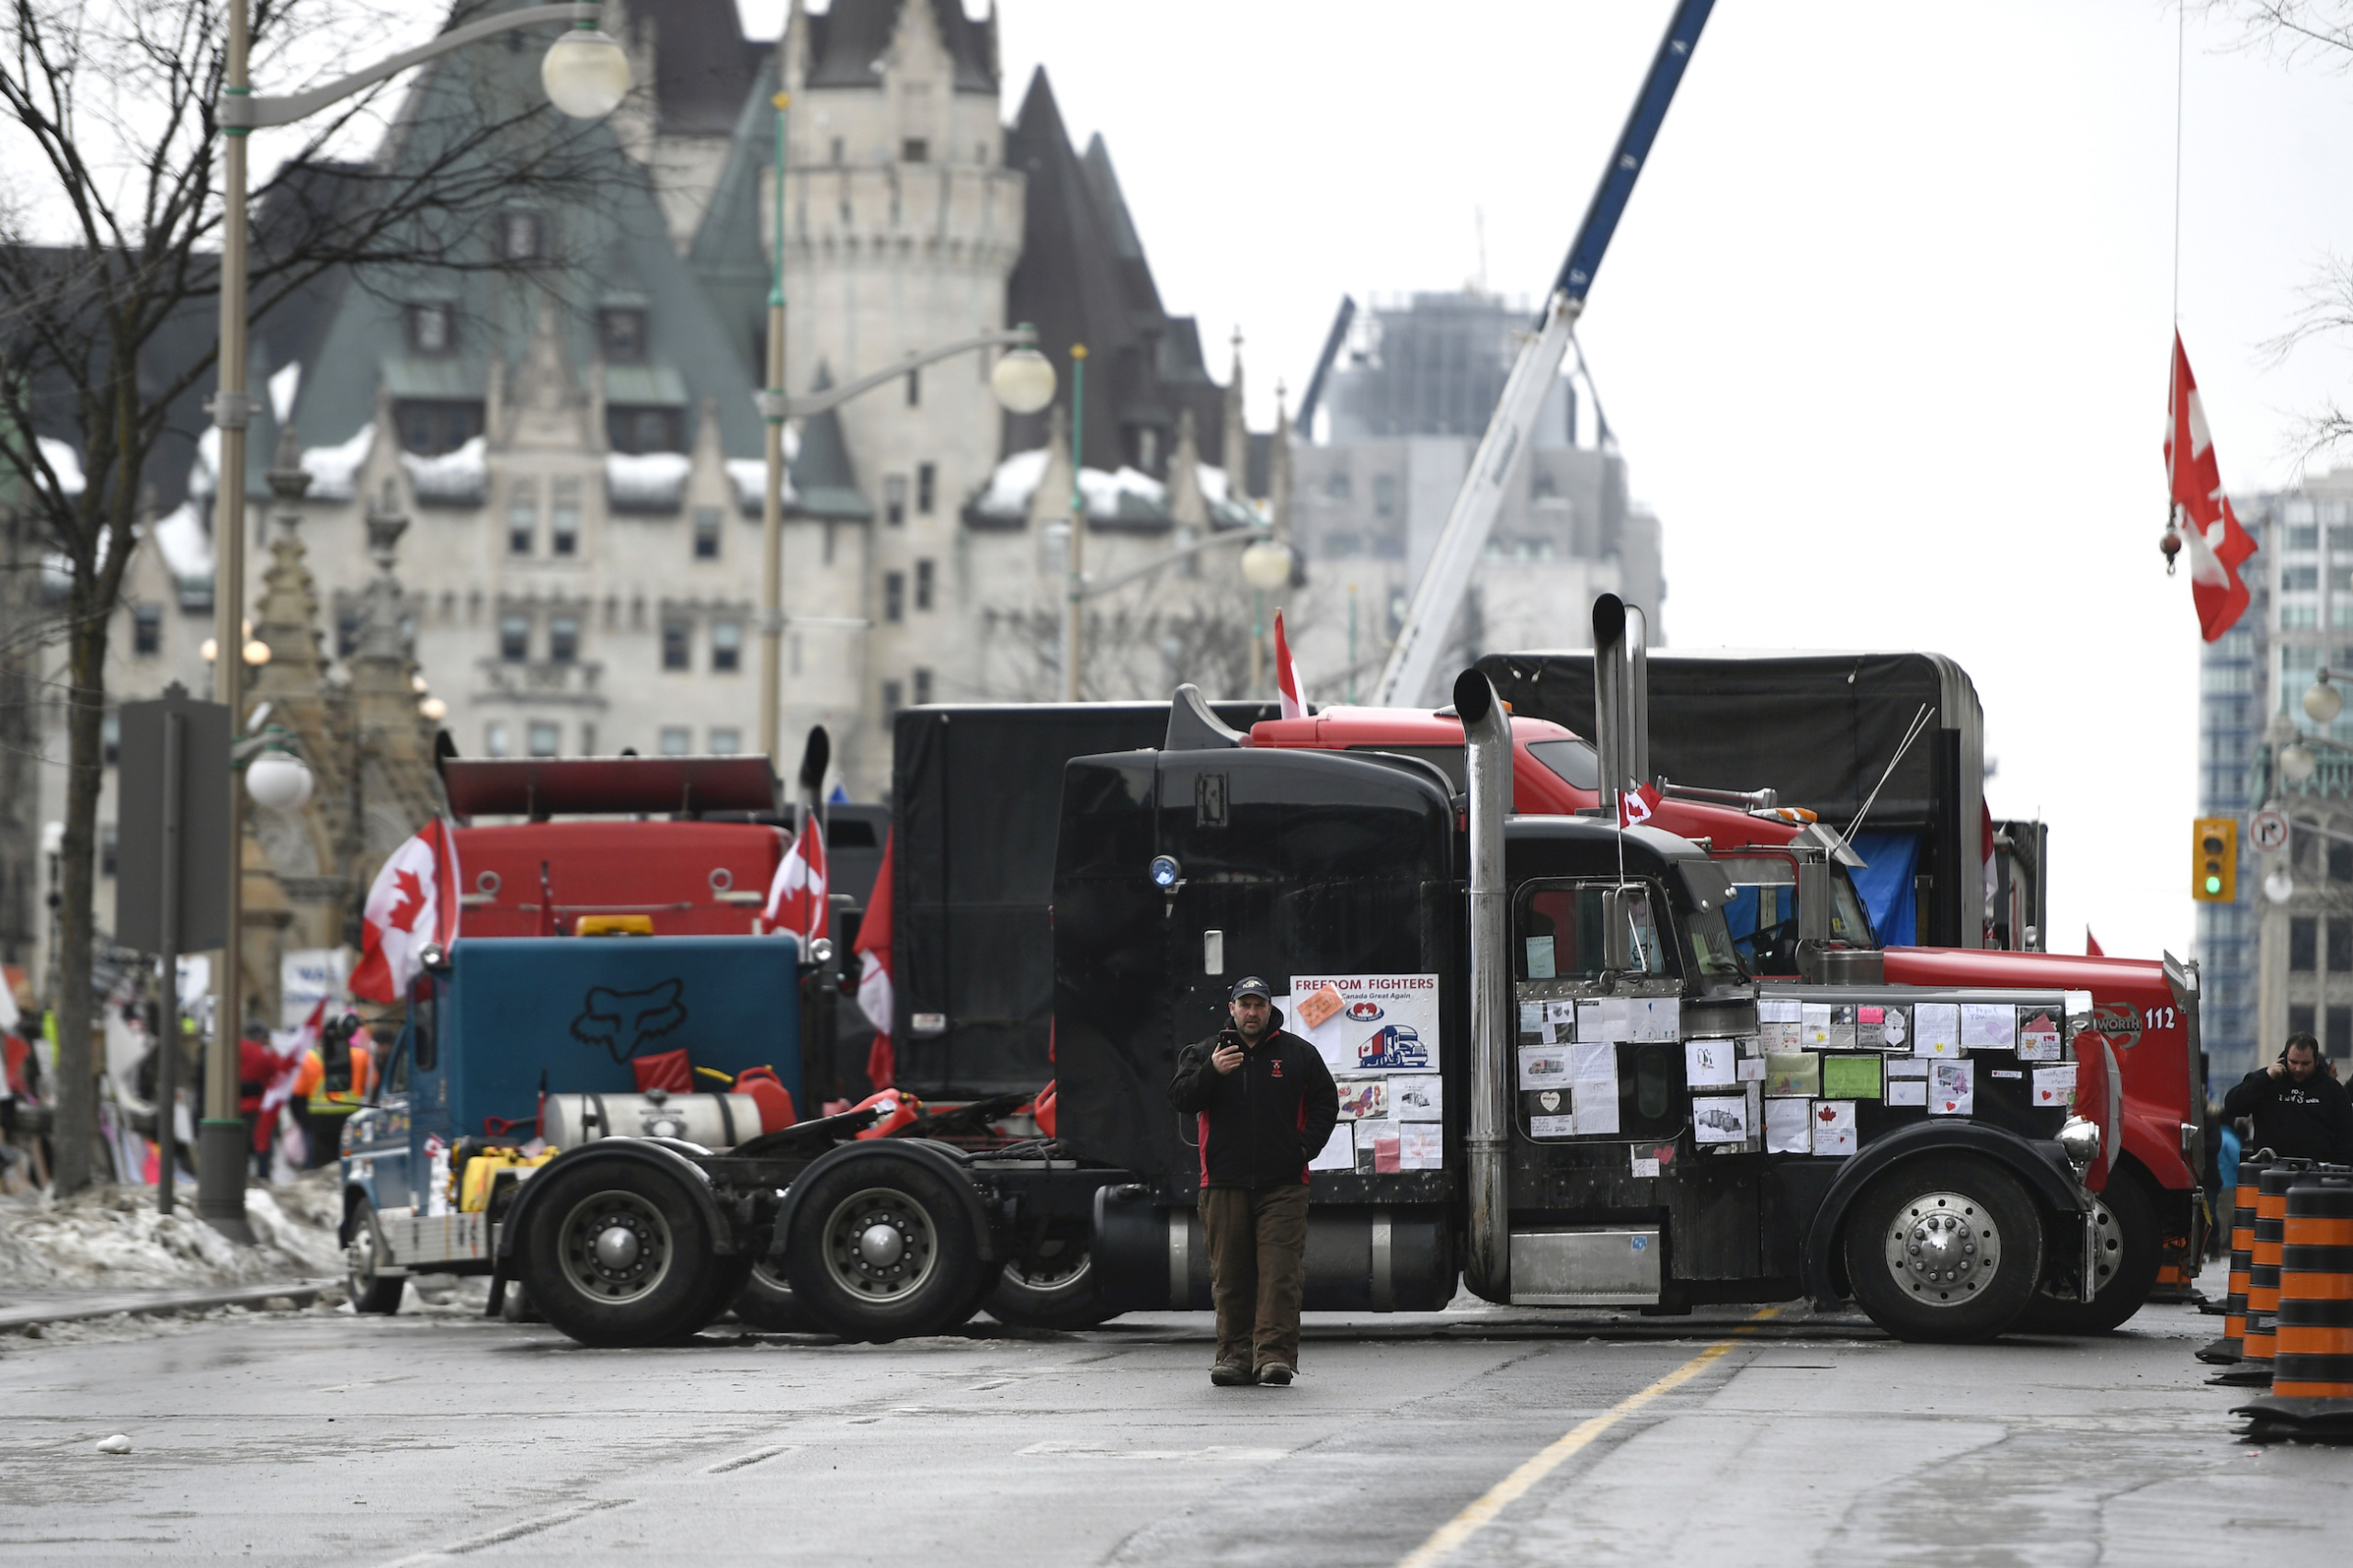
<point>301,1292</point>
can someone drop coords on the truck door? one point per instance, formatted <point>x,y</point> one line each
<point>1620,1074</point>
<point>378,1154</point>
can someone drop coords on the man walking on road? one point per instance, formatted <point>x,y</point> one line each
<point>2300,1113</point>
<point>1264,1105</point>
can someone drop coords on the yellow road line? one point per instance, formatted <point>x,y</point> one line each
<point>1512,1487</point>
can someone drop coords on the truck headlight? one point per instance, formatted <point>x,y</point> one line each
<point>2080,1141</point>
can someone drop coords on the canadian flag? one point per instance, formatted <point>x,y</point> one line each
<point>1285,675</point>
<point>1635,804</point>
<point>797,901</point>
<point>874,997</point>
<point>413,903</point>
<point>2217,544</point>
<point>290,1044</point>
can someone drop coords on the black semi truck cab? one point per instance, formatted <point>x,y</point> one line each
<point>1597,1107</point>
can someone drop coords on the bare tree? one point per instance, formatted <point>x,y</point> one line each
<point>111,224</point>
<point>1127,652</point>
<point>2320,31</point>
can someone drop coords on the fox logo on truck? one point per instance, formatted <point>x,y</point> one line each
<point>1394,1045</point>
<point>622,1021</point>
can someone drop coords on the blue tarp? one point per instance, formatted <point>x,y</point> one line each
<point>1886,885</point>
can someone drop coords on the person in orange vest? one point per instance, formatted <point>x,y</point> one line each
<point>335,1080</point>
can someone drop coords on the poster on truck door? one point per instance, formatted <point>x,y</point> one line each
<point>1368,1023</point>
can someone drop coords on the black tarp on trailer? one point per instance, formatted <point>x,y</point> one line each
<point>977,797</point>
<point>1820,729</point>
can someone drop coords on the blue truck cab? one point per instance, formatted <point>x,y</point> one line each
<point>499,1021</point>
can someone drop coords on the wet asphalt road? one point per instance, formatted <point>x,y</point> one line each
<point>312,1438</point>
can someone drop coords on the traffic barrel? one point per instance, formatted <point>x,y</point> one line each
<point>2257,1340</point>
<point>2231,1347</point>
<point>2311,1385</point>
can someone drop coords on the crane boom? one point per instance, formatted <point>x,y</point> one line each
<point>1431,614</point>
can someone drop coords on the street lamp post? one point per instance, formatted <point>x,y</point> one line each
<point>1265,566</point>
<point>585,75</point>
<point>772,409</point>
<point>1075,550</point>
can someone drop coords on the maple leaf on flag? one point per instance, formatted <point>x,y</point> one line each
<point>411,903</point>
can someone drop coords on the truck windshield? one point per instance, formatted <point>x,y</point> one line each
<point>1572,761</point>
<point>1707,940</point>
<point>1560,932</point>
<point>1762,913</point>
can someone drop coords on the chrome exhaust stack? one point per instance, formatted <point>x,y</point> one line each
<point>1622,696</point>
<point>1486,737</point>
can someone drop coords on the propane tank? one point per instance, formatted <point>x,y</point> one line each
<point>716,1121</point>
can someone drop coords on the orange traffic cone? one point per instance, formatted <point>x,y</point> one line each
<point>2312,1386</point>
<point>2231,1348</point>
<point>2257,1339</point>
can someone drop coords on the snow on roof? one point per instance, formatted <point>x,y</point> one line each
<point>283,385</point>
<point>751,479</point>
<point>455,478</point>
<point>1012,483</point>
<point>187,548</point>
<point>65,463</point>
<point>202,471</point>
<point>647,482</point>
<point>334,470</point>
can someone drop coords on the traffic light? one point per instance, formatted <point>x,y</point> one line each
<point>2214,860</point>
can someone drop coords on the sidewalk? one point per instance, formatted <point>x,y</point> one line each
<point>19,1309</point>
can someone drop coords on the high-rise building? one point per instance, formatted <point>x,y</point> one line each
<point>1409,398</point>
<point>2271,966</point>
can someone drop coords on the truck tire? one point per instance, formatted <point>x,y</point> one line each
<point>363,1260</point>
<point>1944,1249</point>
<point>882,1249</point>
<point>617,1254</point>
<point>1059,1291</point>
<point>2130,1247</point>
<point>728,1277</point>
<point>766,1304</point>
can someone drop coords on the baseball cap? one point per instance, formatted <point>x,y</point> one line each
<point>1250,985</point>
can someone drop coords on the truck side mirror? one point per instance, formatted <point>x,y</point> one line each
<point>1618,908</point>
<point>1814,901</point>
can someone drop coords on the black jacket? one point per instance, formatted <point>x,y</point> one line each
<point>2311,1120</point>
<point>1258,1125</point>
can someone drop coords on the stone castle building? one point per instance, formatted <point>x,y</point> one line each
<point>569,426</point>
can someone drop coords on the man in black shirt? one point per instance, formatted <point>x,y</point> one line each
<point>1264,1105</point>
<point>2300,1113</point>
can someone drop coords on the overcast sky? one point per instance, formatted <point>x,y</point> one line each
<point>1884,334</point>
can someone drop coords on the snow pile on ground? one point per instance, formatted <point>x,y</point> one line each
<point>111,1238</point>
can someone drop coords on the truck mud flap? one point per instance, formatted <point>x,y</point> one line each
<point>1153,1258</point>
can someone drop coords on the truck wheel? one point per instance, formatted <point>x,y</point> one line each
<point>766,1304</point>
<point>2128,1256</point>
<point>1946,1249</point>
<point>881,1250</point>
<point>617,1254</point>
<point>363,1261</point>
<point>1058,1291</point>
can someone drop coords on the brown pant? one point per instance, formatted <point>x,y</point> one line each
<point>1257,1243</point>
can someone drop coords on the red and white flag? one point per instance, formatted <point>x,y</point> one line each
<point>413,903</point>
<point>291,1045</point>
<point>1285,675</point>
<point>1635,804</point>
<point>874,996</point>
<point>2202,512</point>
<point>2092,950</point>
<point>797,901</point>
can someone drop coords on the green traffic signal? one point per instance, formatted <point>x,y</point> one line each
<point>2213,885</point>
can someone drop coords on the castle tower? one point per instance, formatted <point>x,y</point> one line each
<point>901,227</point>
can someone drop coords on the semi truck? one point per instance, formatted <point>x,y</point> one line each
<point>1602,1098</point>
